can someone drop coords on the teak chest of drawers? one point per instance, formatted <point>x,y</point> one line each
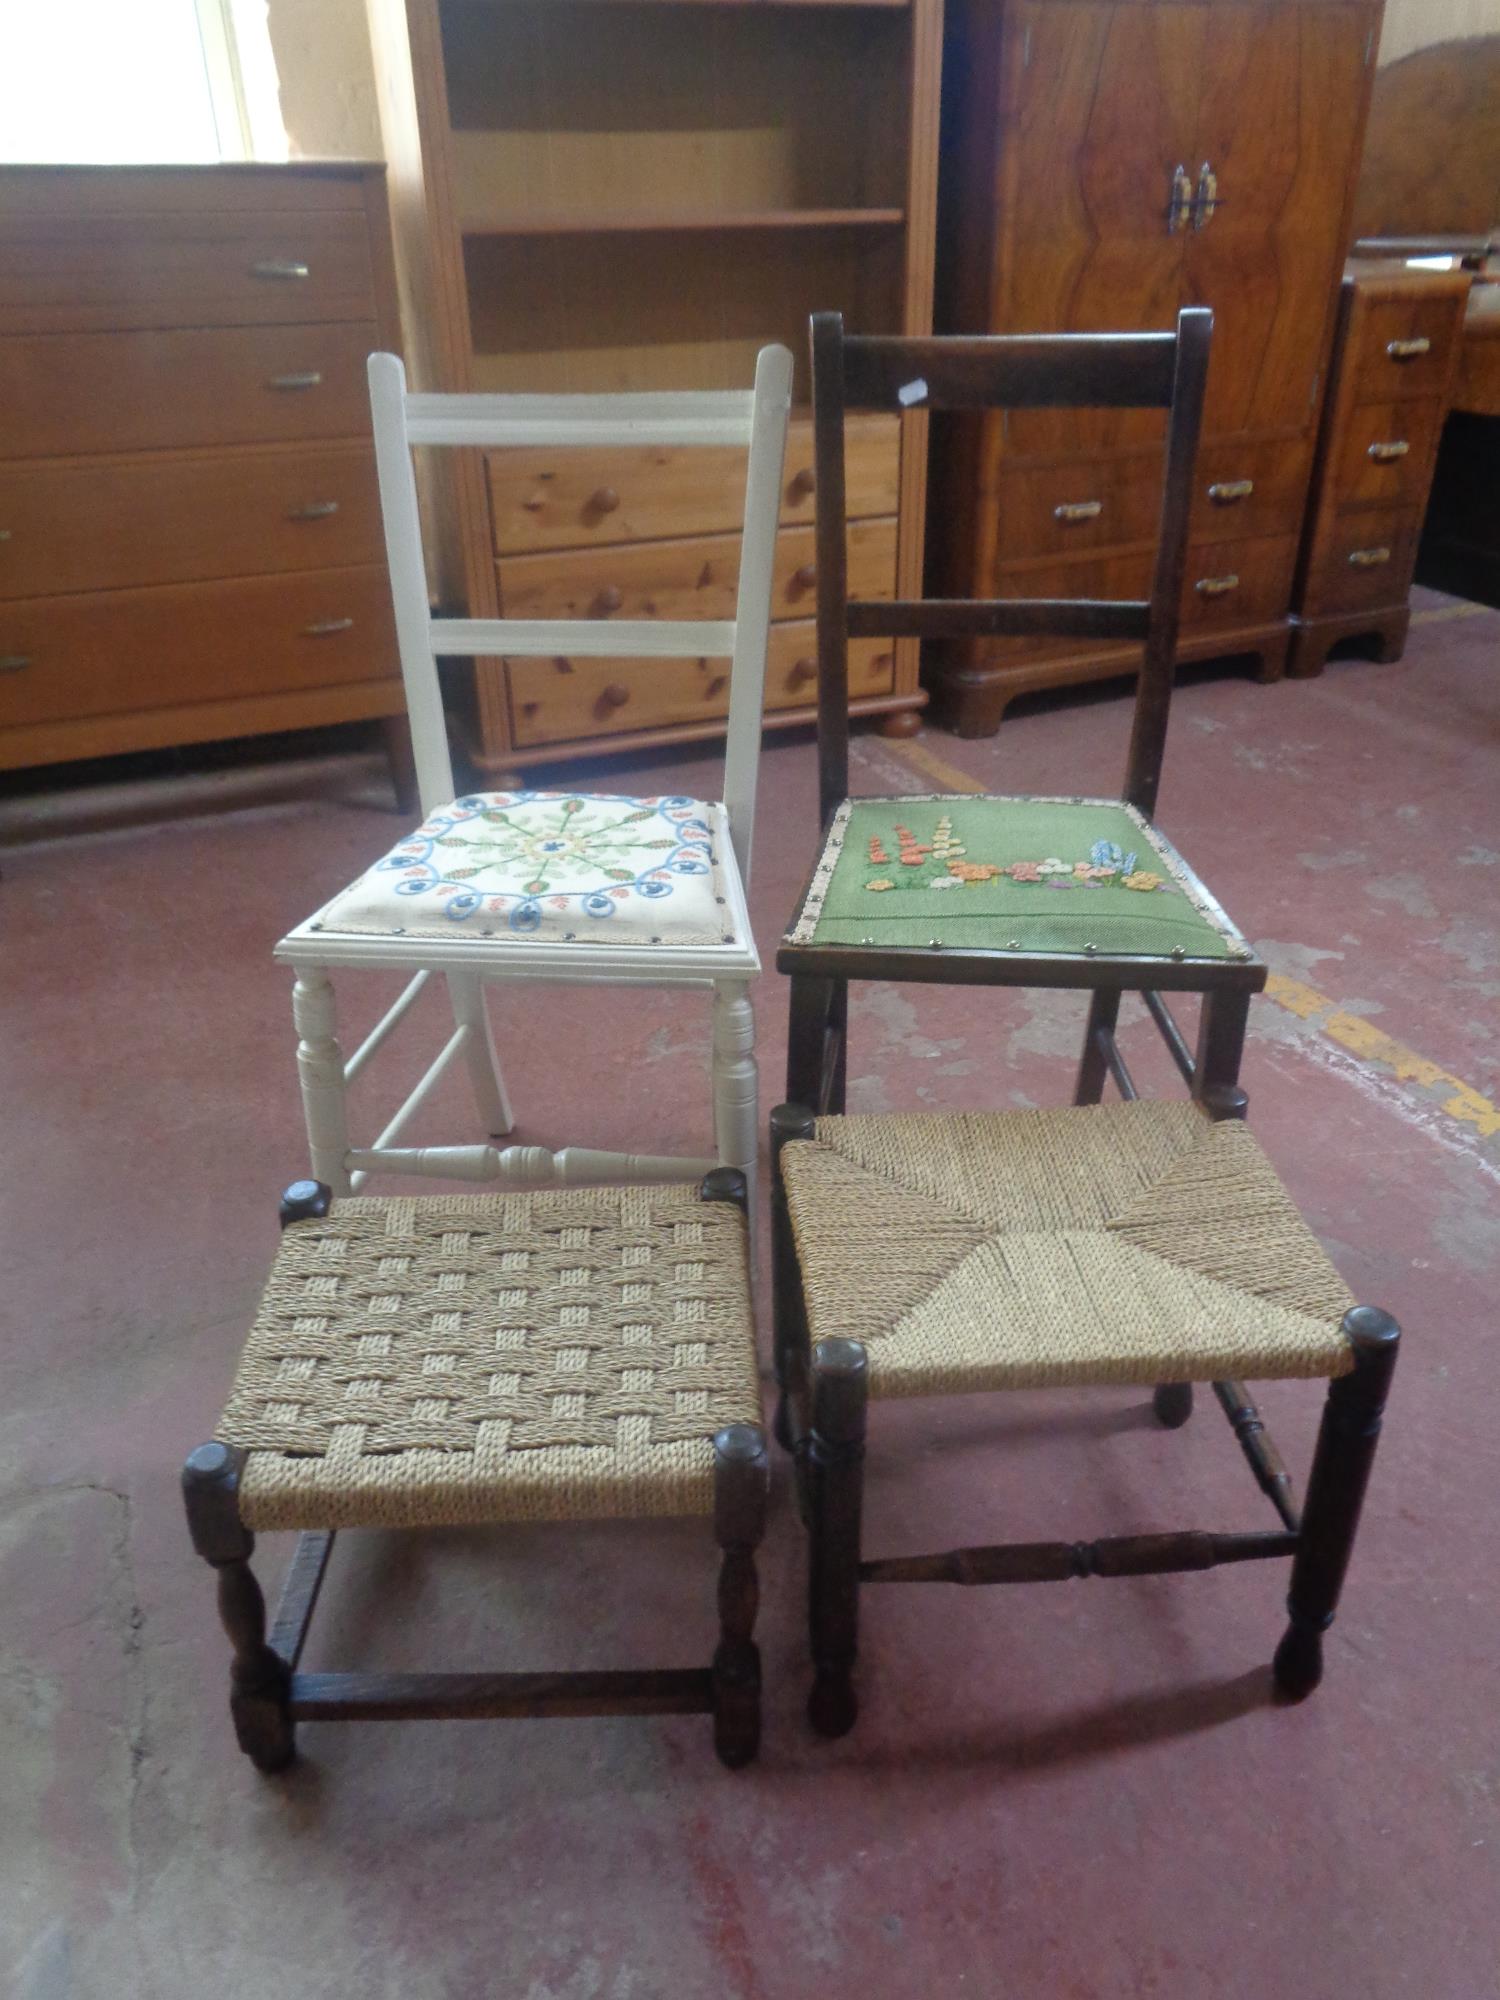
<point>1396,355</point>
<point>190,538</point>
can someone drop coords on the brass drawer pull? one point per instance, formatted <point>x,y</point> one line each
<point>14,663</point>
<point>310,380</point>
<point>315,510</point>
<point>1224,492</point>
<point>615,695</point>
<point>1408,350</point>
<point>1369,558</point>
<point>1078,510</point>
<point>324,628</point>
<point>802,484</point>
<point>806,577</point>
<point>1216,586</point>
<point>278,267</point>
<point>1383,454</point>
<point>802,670</point>
<point>1179,200</point>
<point>609,599</point>
<point>604,500</point>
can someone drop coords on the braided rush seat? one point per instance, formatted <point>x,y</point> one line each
<point>1033,1249</point>
<point>1140,1243</point>
<point>558,1355</point>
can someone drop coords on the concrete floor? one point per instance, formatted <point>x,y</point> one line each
<point>1081,1791</point>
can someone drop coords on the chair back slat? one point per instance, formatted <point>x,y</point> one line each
<point>1010,371</point>
<point>1006,371</point>
<point>997,617</point>
<point>755,419</point>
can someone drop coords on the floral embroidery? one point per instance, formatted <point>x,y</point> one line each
<point>503,852</point>
<point>1024,871</point>
<point>974,871</point>
<point>880,885</point>
<point>1142,879</point>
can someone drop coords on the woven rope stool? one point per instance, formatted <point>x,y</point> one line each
<point>1131,1243</point>
<point>566,1355</point>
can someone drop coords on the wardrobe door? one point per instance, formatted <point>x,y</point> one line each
<point>1282,94</point>
<point>1099,106</point>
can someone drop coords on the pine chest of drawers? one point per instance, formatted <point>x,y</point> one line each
<point>1400,333</point>
<point>190,538</point>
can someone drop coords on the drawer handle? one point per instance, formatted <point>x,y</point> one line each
<point>1078,510</point>
<point>315,510</point>
<point>610,598</point>
<point>615,695</point>
<point>803,484</point>
<point>1408,350</point>
<point>278,267</point>
<point>604,500</point>
<point>806,577</point>
<point>1224,492</point>
<point>802,670</point>
<point>1369,558</point>
<point>1384,453</point>
<point>14,663</point>
<point>1216,586</point>
<point>324,628</point>
<point>311,379</point>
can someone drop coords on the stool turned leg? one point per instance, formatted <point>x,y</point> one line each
<point>835,1460</point>
<point>259,1679</point>
<point>735,1078</point>
<point>838,1022</point>
<point>320,1068</point>
<point>808,1015</point>
<point>1104,1011</point>
<point>740,1481</point>
<point>1335,1494</point>
<point>1173,1404</point>
<point>789,1318</point>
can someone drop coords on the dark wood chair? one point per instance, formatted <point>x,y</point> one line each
<point>1069,893</point>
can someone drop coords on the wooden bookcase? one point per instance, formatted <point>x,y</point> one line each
<point>639,194</point>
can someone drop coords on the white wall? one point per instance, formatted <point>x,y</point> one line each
<point>1412,24</point>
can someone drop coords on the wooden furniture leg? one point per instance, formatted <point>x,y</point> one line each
<point>1093,1068</point>
<point>396,732</point>
<point>1335,1494</point>
<point>788,1309</point>
<point>320,1069</point>
<point>740,1481</point>
<point>807,1032</point>
<point>259,1679</point>
<point>466,993</point>
<point>835,1460</point>
<point>735,1078</point>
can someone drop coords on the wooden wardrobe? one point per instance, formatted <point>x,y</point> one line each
<point>1103,163</point>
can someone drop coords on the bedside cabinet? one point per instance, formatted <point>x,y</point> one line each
<point>1395,356</point>
<point>190,542</point>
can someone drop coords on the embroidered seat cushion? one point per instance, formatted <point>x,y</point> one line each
<point>1024,874</point>
<point>579,866</point>
<point>1121,1243</point>
<point>564,1354</point>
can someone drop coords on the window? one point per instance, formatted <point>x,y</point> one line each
<point>121,81</point>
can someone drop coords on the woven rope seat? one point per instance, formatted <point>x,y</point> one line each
<point>1128,1243</point>
<point>557,1355</point>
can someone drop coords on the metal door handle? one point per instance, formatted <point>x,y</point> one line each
<point>309,380</point>
<point>278,267</point>
<point>1078,510</point>
<point>1408,350</point>
<point>1384,453</point>
<point>324,628</point>
<point>315,510</point>
<point>1216,586</point>
<point>1224,492</point>
<point>14,663</point>
<point>1369,558</point>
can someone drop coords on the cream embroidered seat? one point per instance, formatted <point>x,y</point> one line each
<point>541,885</point>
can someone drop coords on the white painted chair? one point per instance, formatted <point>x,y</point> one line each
<point>550,885</point>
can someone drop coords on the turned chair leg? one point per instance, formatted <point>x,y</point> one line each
<point>1104,1012</point>
<point>807,1027</point>
<point>835,1462</point>
<point>740,1481</point>
<point>1173,1404</point>
<point>259,1679</point>
<point>466,993</point>
<point>320,1069</point>
<point>736,1080</point>
<point>788,1313</point>
<point>1335,1494</point>
<point>838,1024</point>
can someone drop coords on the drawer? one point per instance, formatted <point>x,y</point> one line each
<point>75,273</point>
<point>125,650</point>
<point>693,578</point>
<point>1362,560</point>
<point>545,498</point>
<point>107,524</point>
<point>1406,346</point>
<point>1387,453</point>
<point>67,394</point>
<point>1240,491</point>
<point>1229,586</point>
<point>559,700</point>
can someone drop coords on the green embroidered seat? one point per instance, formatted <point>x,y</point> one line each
<point>1029,875</point>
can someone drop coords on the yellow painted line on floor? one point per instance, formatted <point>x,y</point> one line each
<point>1350,1032</point>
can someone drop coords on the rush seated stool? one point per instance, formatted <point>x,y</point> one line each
<point>567,1355</point>
<point>1077,1247</point>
